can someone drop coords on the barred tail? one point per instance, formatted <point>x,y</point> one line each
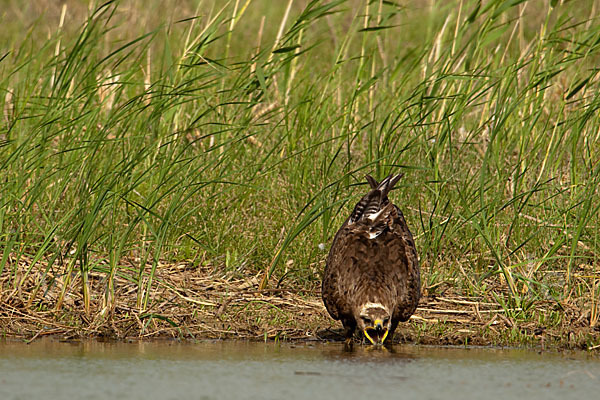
<point>376,199</point>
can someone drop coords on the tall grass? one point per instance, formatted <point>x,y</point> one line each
<point>207,136</point>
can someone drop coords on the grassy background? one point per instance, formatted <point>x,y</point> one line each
<point>236,135</point>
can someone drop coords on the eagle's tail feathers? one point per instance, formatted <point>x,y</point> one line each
<point>372,182</point>
<point>369,204</point>
<point>374,201</point>
<point>373,204</point>
<point>388,184</point>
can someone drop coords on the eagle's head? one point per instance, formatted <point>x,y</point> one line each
<point>375,321</point>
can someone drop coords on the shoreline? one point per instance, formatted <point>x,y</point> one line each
<point>197,305</point>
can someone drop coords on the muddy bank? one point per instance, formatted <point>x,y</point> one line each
<point>198,304</point>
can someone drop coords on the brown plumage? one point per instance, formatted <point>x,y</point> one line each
<point>372,278</point>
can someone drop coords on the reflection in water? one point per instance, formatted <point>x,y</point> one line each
<point>219,370</point>
<point>374,356</point>
<point>369,353</point>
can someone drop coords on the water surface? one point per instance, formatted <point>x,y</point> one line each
<point>242,370</point>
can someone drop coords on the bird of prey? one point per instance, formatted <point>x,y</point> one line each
<point>372,278</point>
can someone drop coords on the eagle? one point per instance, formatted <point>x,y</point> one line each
<point>372,276</point>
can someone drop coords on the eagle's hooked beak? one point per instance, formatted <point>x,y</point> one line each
<point>378,331</point>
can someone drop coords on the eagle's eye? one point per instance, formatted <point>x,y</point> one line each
<point>386,319</point>
<point>366,320</point>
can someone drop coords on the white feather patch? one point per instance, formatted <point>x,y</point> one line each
<point>369,304</point>
<point>374,235</point>
<point>373,217</point>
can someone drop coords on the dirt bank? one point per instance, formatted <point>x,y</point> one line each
<point>198,304</point>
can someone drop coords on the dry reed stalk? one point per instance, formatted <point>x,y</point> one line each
<point>199,303</point>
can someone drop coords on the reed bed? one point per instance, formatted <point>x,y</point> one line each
<point>157,156</point>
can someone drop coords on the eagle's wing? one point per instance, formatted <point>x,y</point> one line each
<point>334,298</point>
<point>408,288</point>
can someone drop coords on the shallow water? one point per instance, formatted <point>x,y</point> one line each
<point>226,370</point>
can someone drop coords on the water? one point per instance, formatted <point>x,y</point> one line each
<point>242,370</point>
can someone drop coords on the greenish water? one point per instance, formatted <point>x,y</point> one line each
<point>241,370</point>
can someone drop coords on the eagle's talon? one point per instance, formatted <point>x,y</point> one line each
<point>348,344</point>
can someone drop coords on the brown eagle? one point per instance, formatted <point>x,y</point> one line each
<point>372,278</point>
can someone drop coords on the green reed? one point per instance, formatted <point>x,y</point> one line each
<point>237,134</point>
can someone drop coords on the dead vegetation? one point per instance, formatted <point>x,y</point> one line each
<point>197,303</point>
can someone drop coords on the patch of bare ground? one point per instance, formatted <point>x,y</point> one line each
<point>197,303</point>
